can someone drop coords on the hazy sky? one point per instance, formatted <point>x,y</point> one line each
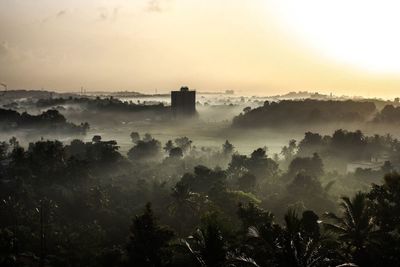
<point>264,47</point>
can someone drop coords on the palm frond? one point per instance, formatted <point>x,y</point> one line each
<point>242,260</point>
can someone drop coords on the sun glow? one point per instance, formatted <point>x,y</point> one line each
<point>362,33</point>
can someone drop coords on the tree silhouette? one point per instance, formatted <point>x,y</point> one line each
<point>184,143</point>
<point>227,148</point>
<point>355,227</point>
<point>176,152</point>
<point>135,137</point>
<point>185,206</point>
<point>148,242</point>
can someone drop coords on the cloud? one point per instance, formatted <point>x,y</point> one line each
<point>61,13</point>
<point>158,5</point>
<point>154,6</point>
<point>103,16</point>
<point>57,15</point>
<point>106,14</point>
<point>4,48</point>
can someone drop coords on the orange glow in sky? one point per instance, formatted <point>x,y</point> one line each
<point>254,47</point>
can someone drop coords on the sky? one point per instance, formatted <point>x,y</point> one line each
<point>261,47</point>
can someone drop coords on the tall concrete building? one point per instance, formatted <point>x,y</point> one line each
<point>183,102</point>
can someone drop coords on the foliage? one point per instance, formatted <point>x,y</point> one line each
<point>304,112</point>
<point>76,209</point>
<point>48,121</point>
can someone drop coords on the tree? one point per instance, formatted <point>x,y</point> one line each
<point>76,149</point>
<point>355,227</point>
<point>53,116</point>
<point>385,207</point>
<point>227,148</point>
<point>204,180</point>
<point>3,150</point>
<point>176,152</point>
<point>185,206</point>
<point>252,215</point>
<point>348,145</point>
<point>309,224</point>
<point>184,143</point>
<point>13,142</point>
<point>104,152</point>
<point>96,139</point>
<point>385,202</point>
<point>296,243</point>
<point>260,165</point>
<point>247,182</point>
<point>147,137</point>
<point>311,143</point>
<point>135,137</point>
<point>209,248</point>
<point>312,166</point>
<point>299,241</point>
<point>289,151</point>
<point>168,146</point>
<point>246,110</point>
<point>304,185</point>
<point>387,167</point>
<point>149,242</point>
<point>145,150</point>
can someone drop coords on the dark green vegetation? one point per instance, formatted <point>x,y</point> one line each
<point>292,113</point>
<point>48,121</point>
<point>344,147</point>
<point>389,114</point>
<point>104,111</point>
<point>86,204</point>
<point>99,104</point>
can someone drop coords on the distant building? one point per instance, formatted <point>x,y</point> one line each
<point>183,102</point>
<point>374,164</point>
<point>353,166</point>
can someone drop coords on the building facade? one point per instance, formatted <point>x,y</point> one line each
<point>183,102</point>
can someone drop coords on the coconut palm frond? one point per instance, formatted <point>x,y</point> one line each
<point>241,261</point>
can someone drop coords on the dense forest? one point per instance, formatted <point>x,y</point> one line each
<point>176,204</point>
<point>48,121</point>
<point>291,113</point>
<point>100,104</point>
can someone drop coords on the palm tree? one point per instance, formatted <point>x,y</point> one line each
<point>182,197</point>
<point>185,206</point>
<point>148,244</point>
<point>208,246</point>
<point>209,249</point>
<point>300,246</point>
<point>292,245</point>
<point>356,225</point>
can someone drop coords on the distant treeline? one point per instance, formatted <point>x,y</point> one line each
<point>50,120</point>
<point>12,95</point>
<point>343,147</point>
<point>305,112</point>
<point>389,114</point>
<point>100,104</point>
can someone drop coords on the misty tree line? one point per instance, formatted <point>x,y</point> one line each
<point>48,121</point>
<point>99,104</point>
<point>304,112</point>
<point>175,204</point>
